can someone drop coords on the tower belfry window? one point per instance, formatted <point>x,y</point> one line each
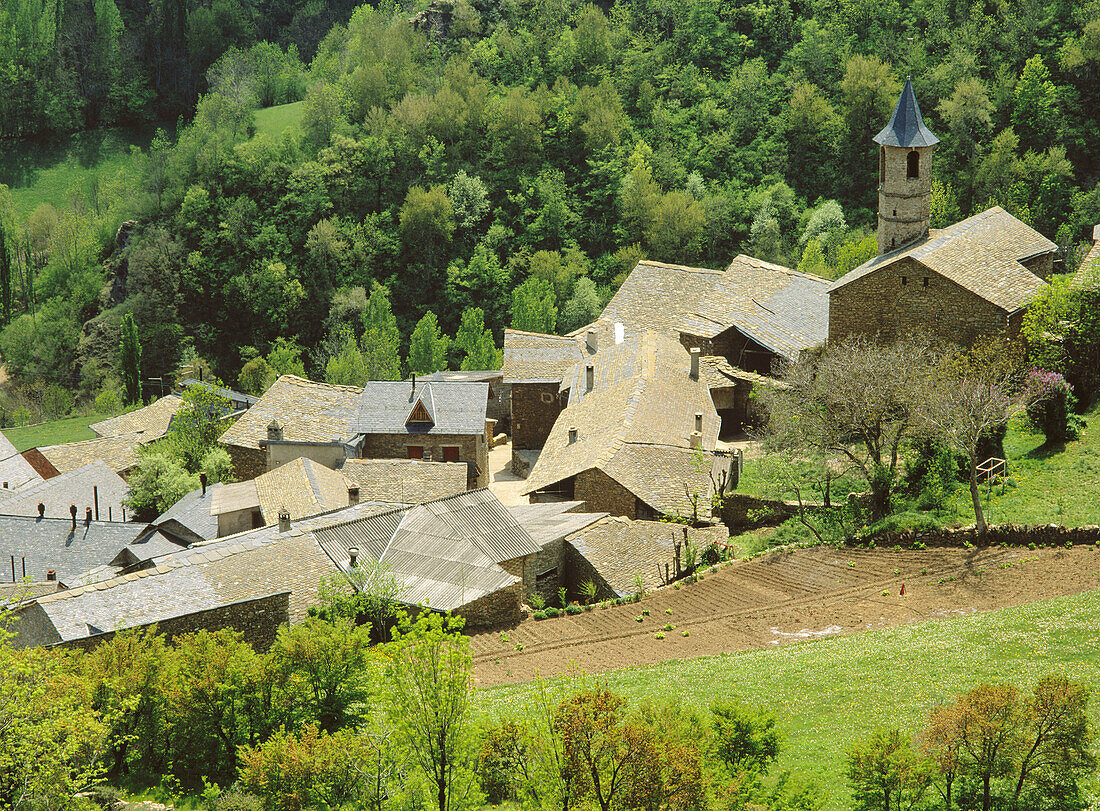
<point>912,165</point>
<point>882,164</point>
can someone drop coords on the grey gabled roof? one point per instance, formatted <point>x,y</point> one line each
<point>982,254</point>
<point>533,357</point>
<point>15,471</point>
<point>906,127</point>
<point>190,518</point>
<point>455,408</point>
<point>52,543</point>
<point>79,487</point>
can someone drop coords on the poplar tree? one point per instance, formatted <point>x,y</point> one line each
<point>129,352</point>
<point>5,277</point>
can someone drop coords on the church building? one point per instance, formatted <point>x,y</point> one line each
<point>971,279</point>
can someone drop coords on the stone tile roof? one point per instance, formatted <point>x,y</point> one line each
<point>444,553</point>
<point>906,127</point>
<point>553,520</point>
<point>779,308</point>
<point>720,374</point>
<point>190,518</point>
<point>79,487</point>
<point>228,394</point>
<point>15,471</point>
<point>307,412</point>
<point>449,376</point>
<point>52,543</point>
<point>453,408</point>
<point>152,544</point>
<point>234,497</point>
<point>621,549</point>
<point>981,254</point>
<point>238,567</point>
<point>405,481</point>
<point>119,452</point>
<point>303,487</point>
<point>1088,275</point>
<point>150,421</point>
<point>532,357</point>
<point>643,408</point>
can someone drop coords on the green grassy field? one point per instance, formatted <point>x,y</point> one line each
<point>829,693</point>
<point>69,429</point>
<point>55,170</point>
<point>274,121</point>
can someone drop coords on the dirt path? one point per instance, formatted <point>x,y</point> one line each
<point>785,597</point>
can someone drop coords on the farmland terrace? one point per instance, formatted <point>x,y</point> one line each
<point>783,597</point>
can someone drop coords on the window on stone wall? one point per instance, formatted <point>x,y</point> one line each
<point>904,280</point>
<point>912,165</point>
<point>924,282</point>
<point>547,397</point>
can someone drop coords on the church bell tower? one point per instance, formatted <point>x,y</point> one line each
<point>904,175</point>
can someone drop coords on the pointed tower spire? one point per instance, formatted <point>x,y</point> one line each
<point>906,128</point>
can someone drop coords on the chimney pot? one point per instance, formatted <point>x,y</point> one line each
<point>274,431</point>
<point>353,495</point>
<point>41,510</point>
<point>202,481</point>
<point>88,515</point>
<point>51,575</point>
<point>696,440</point>
<point>72,512</point>
<point>589,377</point>
<point>353,557</point>
<point>284,519</point>
<point>694,351</point>
<point>572,435</point>
<point>414,382</point>
<point>592,341</point>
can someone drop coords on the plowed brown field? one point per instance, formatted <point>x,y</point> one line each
<point>784,597</point>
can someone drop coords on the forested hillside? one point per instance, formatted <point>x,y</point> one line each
<point>519,157</point>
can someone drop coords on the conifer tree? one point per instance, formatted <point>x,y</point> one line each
<point>129,359</point>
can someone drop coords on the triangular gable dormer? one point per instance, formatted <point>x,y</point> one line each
<point>419,415</point>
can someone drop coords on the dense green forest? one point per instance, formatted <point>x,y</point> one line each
<point>473,165</point>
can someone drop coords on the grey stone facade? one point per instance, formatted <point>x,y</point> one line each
<point>535,407</point>
<point>472,449</point>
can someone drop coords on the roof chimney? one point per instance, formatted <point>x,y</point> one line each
<point>284,519</point>
<point>87,516</point>
<point>694,352</point>
<point>572,435</point>
<point>620,333</point>
<point>202,481</point>
<point>353,557</point>
<point>592,341</point>
<point>696,440</point>
<point>589,377</point>
<point>41,510</point>
<point>51,575</point>
<point>353,495</point>
<point>414,383</point>
<point>699,422</point>
<point>72,512</point>
<point>274,431</point>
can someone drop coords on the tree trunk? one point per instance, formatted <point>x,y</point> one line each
<point>985,793</point>
<point>976,497</point>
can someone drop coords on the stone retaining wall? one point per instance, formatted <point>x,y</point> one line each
<point>1011,534</point>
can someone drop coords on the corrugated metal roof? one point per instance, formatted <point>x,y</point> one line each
<point>371,535</point>
<point>479,517</point>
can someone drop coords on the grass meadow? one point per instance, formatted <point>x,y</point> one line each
<point>69,429</point>
<point>274,121</point>
<point>829,693</point>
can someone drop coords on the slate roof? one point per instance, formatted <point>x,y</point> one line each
<point>405,481</point>
<point>532,357</point>
<point>52,543</point>
<point>119,452</point>
<point>190,519</point>
<point>231,569</point>
<point>454,408</point>
<point>906,128</point>
<point>77,487</point>
<point>720,374</point>
<point>307,412</point>
<point>1089,273</point>
<point>478,376</point>
<point>982,254</point>
<point>15,471</point>
<point>636,427</point>
<point>302,486</point>
<point>444,553</point>
<point>779,308</point>
<point>150,421</point>
<point>619,548</point>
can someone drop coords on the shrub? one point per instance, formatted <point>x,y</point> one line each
<point>1052,410</point>
<point>553,612</point>
<point>56,401</point>
<point>573,609</point>
<point>236,799</point>
<point>589,590</point>
<point>540,615</point>
<point>538,602</point>
<point>108,403</point>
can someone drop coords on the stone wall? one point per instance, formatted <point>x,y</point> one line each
<point>546,569</point>
<point>601,493</point>
<point>1041,265</point>
<point>499,608</point>
<point>904,203</point>
<point>323,453</point>
<point>248,463</point>
<point>576,569</point>
<point>741,512</point>
<point>1010,534</point>
<point>231,523</point>
<point>535,408</point>
<point>472,449</point>
<point>524,569</point>
<point>257,620</point>
<point>905,297</point>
